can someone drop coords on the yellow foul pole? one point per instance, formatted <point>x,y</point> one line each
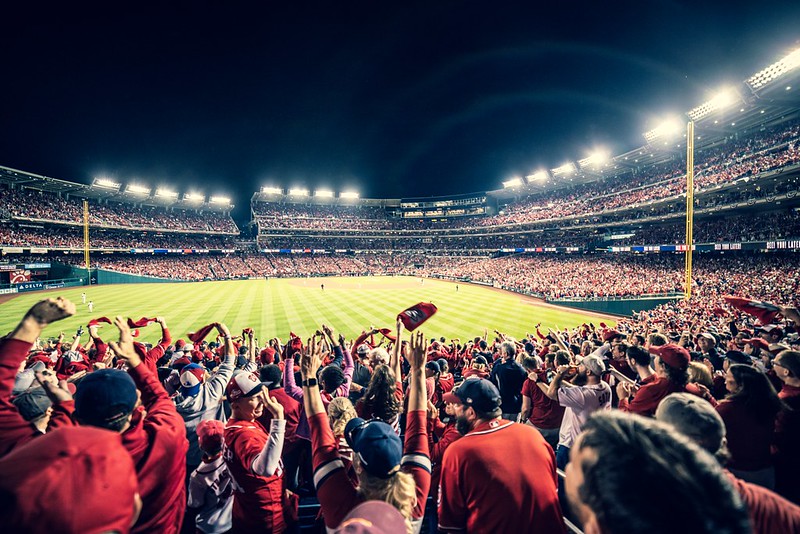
<point>689,206</point>
<point>86,238</point>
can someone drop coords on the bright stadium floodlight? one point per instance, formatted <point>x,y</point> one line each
<point>298,192</point>
<point>271,190</point>
<point>513,182</point>
<point>323,193</point>
<point>596,159</point>
<point>105,183</point>
<point>775,71</point>
<point>220,200</point>
<point>566,168</point>
<point>669,129</point>
<point>723,99</point>
<point>538,176</point>
<point>194,197</point>
<point>349,195</point>
<point>166,193</point>
<point>137,189</point>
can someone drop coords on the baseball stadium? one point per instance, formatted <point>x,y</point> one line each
<point>513,353</point>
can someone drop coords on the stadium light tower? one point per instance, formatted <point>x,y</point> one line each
<point>323,193</point>
<point>774,71</point>
<point>689,208</point>
<point>513,182</point>
<point>163,192</point>
<point>194,197</point>
<point>270,190</point>
<point>351,195</point>
<point>538,176</point>
<point>596,159</point>
<point>723,99</point>
<point>567,168</point>
<point>105,183</point>
<point>298,192</point>
<point>668,129</point>
<point>225,201</point>
<point>137,189</point>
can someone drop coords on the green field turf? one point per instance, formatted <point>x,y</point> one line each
<point>274,307</point>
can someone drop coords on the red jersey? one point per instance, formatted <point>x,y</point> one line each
<point>335,490</point>
<point>257,500</point>
<point>546,413</point>
<point>769,512</point>
<point>447,382</point>
<point>292,411</point>
<point>486,485</point>
<point>647,398</point>
<point>440,436</point>
<point>749,436</point>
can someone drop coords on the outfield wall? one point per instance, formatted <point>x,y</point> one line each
<point>616,307</point>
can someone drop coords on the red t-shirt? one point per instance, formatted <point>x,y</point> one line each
<point>257,500</point>
<point>647,398</point>
<point>546,413</point>
<point>447,383</point>
<point>500,477</point>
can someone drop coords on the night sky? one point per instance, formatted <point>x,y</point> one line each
<point>393,99</point>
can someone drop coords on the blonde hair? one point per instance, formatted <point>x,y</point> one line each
<point>700,374</point>
<point>340,411</point>
<point>399,490</point>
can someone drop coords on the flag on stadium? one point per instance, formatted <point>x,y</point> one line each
<point>198,336</point>
<point>416,315</point>
<point>144,321</point>
<point>763,311</point>
<point>95,322</point>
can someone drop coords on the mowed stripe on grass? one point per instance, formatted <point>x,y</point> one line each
<point>275,307</point>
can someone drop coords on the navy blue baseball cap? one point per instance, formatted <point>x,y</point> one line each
<point>377,445</point>
<point>476,392</point>
<point>105,396</point>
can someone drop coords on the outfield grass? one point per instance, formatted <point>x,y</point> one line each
<point>274,307</point>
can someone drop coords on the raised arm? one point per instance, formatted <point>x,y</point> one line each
<point>395,359</point>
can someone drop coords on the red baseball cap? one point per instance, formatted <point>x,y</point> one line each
<point>210,435</point>
<point>267,355</point>
<point>76,479</point>
<point>243,385</point>
<point>673,355</point>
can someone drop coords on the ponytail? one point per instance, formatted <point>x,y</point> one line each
<point>399,490</point>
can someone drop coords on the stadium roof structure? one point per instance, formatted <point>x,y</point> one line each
<point>18,178</point>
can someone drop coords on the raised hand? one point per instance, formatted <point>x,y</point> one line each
<point>416,356</point>
<point>124,348</point>
<point>311,359</point>
<point>275,408</point>
<point>50,310</point>
<point>57,391</point>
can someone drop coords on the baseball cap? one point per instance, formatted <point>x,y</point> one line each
<point>479,393</point>
<point>757,342</point>
<point>192,377</point>
<point>673,355</point>
<point>362,349</point>
<point>197,356</point>
<point>594,364</point>
<point>42,482</point>
<point>372,517</point>
<point>530,348</point>
<point>480,360</point>
<point>105,396</point>
<point>32,404</point>
<point>243,349</point>
<point>241,361</point>
<point>709,337</point>
<point>433,366</point>
<point>737,356</point>
<point>180,363</point>
<point>210,435</point>
<point>377,445</point>
<point>243,384</point>
<point>267,355</point>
